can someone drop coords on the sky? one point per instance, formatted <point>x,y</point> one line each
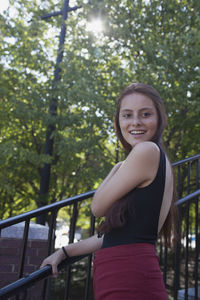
<point>95,26</point>
<point>3,5</point>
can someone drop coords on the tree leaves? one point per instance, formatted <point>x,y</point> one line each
<point>155,42</point>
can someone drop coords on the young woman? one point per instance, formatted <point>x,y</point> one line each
<point>136,199</point>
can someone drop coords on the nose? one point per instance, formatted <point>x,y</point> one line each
<point>136,120</point>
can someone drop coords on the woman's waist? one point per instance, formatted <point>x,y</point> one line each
<point>119,237</point>
<point>125,250</point>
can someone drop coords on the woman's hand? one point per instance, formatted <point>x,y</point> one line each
<point>86,246</point>
<point>54,260</point>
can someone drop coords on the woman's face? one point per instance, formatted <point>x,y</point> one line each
<point>138,118</point>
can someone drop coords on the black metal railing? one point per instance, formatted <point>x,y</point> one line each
<point>180,267</point>
<point>52,211</point>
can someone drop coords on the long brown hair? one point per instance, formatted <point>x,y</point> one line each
<point>115,217</point>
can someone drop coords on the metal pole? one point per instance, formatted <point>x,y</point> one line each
<point>48,148</point>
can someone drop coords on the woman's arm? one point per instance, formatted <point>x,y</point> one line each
<point>138,169</point>
<point>110,174</point>
<point>86,246</point>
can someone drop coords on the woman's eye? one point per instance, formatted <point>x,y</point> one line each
<point>146,114</point>
<point>127,116</point>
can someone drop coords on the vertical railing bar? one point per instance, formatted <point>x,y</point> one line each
<point>196,248</point>
<point>178,245</point>
<point>179,181</point>
<point>187,233</point>
<point>186,251</point>
<point>71,239</point>
<point>160,251</point>
<point>24,247</point>
<point>165,265</point>
<point>23,252</point>
<point>178,250</point>
<point>197,174</point>
<point>197,241</point>
<point>51,234</point>
<point>73,223</point>
<point>24,297</point>
<point>177,257</point>
<point>87,286</point>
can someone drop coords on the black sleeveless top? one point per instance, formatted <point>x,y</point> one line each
<point>143,217</point>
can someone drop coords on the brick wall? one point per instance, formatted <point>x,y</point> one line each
<point>10,250</point>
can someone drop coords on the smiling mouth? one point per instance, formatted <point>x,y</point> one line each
<point>137,132</point>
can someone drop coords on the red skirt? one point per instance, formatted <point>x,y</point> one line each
<point>128,272</point>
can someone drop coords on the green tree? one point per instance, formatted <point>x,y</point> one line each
<point>155,42</point>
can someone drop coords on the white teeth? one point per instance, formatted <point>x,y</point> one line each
<point>136,132</point>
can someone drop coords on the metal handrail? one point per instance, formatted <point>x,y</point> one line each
<point>188,197</point>
<point>191,158</point>
<point>33,213</point>
<point>62,203</point>
<point>27,281</point>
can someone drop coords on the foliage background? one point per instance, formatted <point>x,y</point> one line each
<point>155,42</point>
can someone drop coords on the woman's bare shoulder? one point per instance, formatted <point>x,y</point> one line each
<point>146,150</point>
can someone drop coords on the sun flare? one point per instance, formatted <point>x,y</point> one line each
<point>95,26</point>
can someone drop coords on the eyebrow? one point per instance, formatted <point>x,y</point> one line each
<point>144,108</point>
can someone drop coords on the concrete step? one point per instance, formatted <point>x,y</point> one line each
<point>191,294</point>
